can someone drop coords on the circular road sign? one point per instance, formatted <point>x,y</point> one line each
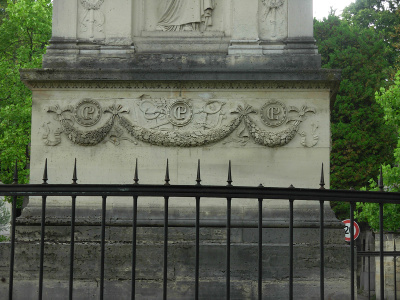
<point>347,230</point>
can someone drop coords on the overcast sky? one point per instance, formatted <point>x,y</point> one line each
<point>322,7</point>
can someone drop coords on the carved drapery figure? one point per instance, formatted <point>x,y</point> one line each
<point>93,19</point>
<point>272,10</point>
<point>186,15</point>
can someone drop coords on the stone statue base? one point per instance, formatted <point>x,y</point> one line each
<point>181,255</point>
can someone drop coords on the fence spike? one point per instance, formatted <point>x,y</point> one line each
<point>291,186</point>
<point>136,178</point>
<point>74,177</point>
<point>322,182</point>
<point>198,179</point>
<point>15,179</point>
<point>381,181</point>
<point>167,180</point>
<point>45,178</point>
<point>261,185</point>
<point>230,174</point>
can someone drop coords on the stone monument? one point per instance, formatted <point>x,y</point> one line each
<point>183,80</point>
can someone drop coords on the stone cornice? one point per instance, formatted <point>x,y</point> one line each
<point>167,85</point>
<point>191,79</point>
<point>219,79</point>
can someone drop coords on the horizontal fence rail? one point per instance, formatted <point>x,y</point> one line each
<point>204,191</point>
<point>196,191</point>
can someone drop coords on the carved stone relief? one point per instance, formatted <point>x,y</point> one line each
<point>180,123</point>
<point>185,15</point>
<point>87,112</point>
<point>273,19</point>
<point>164,113</point>
<point>273,113</point>
<point>92,20</point>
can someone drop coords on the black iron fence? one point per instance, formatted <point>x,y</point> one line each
<point>198,192</point>
<point>369,257</point>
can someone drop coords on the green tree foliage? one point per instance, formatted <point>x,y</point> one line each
<point>3,5</point>
<point>361,140</point>
<point>389,99</point>
<point>25,31</point>
<point>362,46</point>
<point>383,16</point>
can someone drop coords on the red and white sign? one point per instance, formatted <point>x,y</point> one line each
<point>347,230</point>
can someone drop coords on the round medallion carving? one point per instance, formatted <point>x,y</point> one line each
<point>180,113</point>
<point>87,112</point>
<point>274,113</point>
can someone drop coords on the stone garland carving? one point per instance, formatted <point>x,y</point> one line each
<point>179,138</point>
<point>186,15</point>
<point>271,139</point>
<point>274,110</point>
<point>93,19</point>
<point>87,138</point>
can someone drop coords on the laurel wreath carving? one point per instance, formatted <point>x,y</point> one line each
<point>177,138</point>
<point>271,139</point>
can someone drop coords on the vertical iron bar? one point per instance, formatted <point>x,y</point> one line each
<point>321,237</point>
<point>13,223</point>
<point>352,269</point>
<point>322,253</point>
<point>228,236</point>
<point>134,231</point>
<point>291,242</point>
<point>14,213</point>
<point>102,245</point>
<point>72,238</point>
<point>197,266</point>
<point>42,234</point>
<point>228,248</point>
<point>382,270</point>
<point>395,271</point>
<point>134,234</point>
<point>165,278</point>
<point>260,241</point>
<point>369,277</point>
<point>166,200</point>
<point>72,249</point>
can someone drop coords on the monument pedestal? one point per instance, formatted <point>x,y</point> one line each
<point>241,81</point>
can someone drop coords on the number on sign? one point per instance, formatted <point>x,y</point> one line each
<point>347,230</point>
